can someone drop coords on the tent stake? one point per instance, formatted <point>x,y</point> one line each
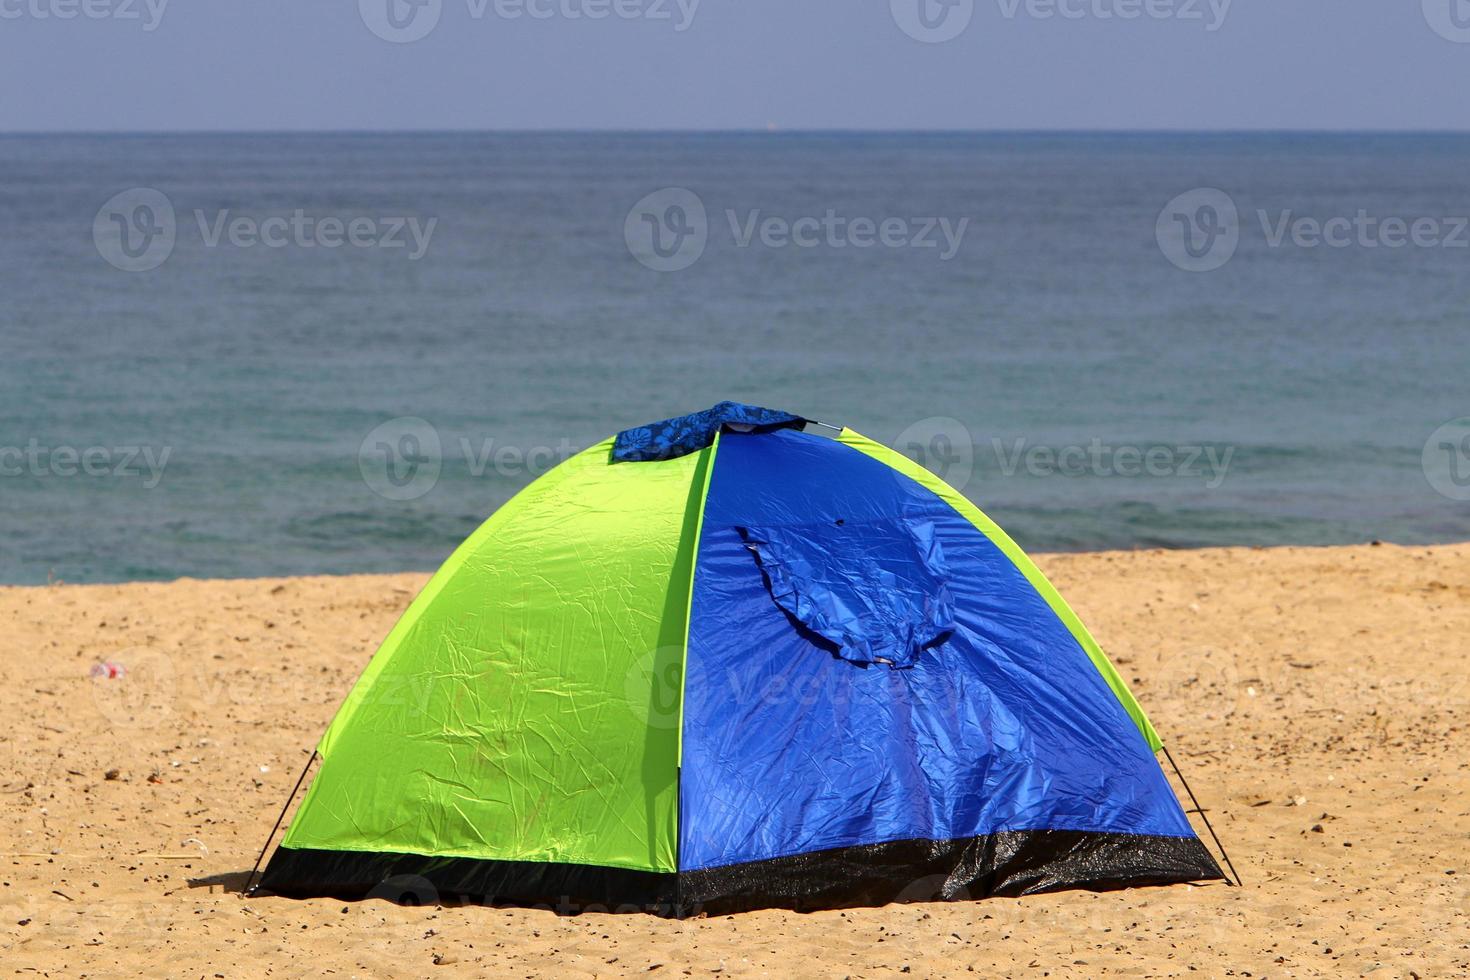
<point>1203,816</point>
<point>249,889</point>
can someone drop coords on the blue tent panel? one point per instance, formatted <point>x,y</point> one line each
<point>1003,724</point>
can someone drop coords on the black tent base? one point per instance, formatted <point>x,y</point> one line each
<point>1009,863</point>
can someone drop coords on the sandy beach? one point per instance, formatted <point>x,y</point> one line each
<point>1317,699</point>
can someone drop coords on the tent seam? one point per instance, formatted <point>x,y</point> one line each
<point>709,473</point>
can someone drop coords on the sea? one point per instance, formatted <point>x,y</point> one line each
<point>237,355</point>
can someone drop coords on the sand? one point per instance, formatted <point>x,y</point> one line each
<point>1317,699</point>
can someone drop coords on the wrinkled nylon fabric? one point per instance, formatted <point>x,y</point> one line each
<point>1013,551</point>
<point>874,590</point>
<point>688,433</point>
<point>788,749</point>
<point>525,708</point>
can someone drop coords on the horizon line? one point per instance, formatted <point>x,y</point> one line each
<point>743,131</point>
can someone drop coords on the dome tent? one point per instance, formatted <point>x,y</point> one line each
<point>722,663</point>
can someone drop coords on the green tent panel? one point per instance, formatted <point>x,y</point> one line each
<point>496,720</point>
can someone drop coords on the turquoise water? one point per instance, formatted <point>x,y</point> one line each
<point>528,326</point>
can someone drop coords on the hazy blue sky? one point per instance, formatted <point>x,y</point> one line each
<point>697,64</point>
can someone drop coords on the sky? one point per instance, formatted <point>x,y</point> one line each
<point>148,65</point>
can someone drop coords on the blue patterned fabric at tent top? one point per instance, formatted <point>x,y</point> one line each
<point>690,433</point>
